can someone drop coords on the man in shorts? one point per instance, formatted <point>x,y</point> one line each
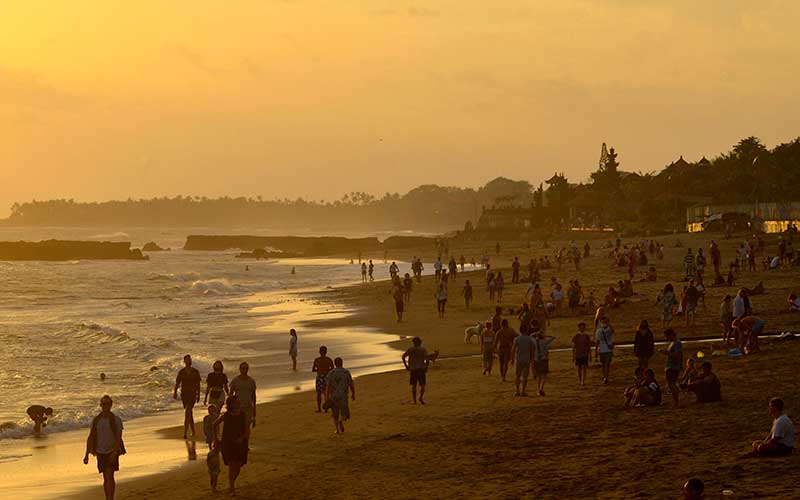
<point>604,346</point>
<point>339,381</point>
<point>188,380</point>
<point>503,343</point>
<point>322,365</point>
<point>541,360</point>
<point>105,442</point>
<point>674,354</point>
<point>581,348</point>
<point>522,352</point>
<point>415,359</point>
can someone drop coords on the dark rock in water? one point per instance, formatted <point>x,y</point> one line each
<point>57,250</point>
<point>153,368</point>
<point>153,247</point>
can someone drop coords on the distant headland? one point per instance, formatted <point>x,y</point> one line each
<point>58,250</point>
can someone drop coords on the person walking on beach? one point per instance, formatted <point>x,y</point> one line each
<point>363,272</point>
<point>212,458</point>
<point>234,443</point>
<point>105,443</point>
<point>322,365</point>
<point>541,359</point>
<point>188,380</point>
<point>415,359</point>
<point>604,346</point>
<point>371,270</point>
<point>581,348</point>
<point>504,343</point>
<point>398,295</point>
<point>216,385</point>
<point>441,299</point>
<point>487,341</point>
<point>339,382</point>
<point>408,285</point>
<point>644,344</point>
<point>39,414</point>
<point>293,348</point>
<point>523,351</point>
<point>515,265</point>
<point>467,293</point>
<point>243,387</point>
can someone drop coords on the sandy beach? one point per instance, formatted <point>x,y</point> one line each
<point>473,439</point>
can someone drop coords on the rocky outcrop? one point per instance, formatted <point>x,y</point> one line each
<point>68,250</point>
<point>153,247</point>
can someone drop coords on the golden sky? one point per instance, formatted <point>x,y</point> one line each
<point>111,99</point>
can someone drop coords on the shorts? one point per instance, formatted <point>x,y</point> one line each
<point>758,326</point>
<point>488,355</point>
<point>672,375</point>
<point>605,357</point>
<point>504,353</point>
<point>321,384</point>
<point>418,377</point>
<point>106,461</point>
<point>523,369</point>
<point>212,462</point>
<point>542,366</point>
<point>188,399</point>
<point>398,306</point>
<point>691,308</point>
<point>582,361</point>
<point>340,409</point>
<point>780,450</point>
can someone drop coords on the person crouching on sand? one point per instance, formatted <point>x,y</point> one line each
<point>415,359</point>
<point>39,414</point>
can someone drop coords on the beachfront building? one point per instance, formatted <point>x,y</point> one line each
<point>770,217</point>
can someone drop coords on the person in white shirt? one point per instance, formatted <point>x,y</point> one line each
<point>781,440</point>
<point>604,346</point>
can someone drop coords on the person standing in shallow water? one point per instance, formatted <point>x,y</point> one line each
<point>39,414</point>
<point>188,380</point>
<point>105,443</point>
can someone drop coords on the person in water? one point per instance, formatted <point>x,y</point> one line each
<point>39,414</point>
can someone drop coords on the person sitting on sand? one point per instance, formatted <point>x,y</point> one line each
<point>39,414</point>
<point>748,329</point>
<point>339,382</point>
<point>649,394</point>
<point>781,438</point>
<point>706,385</point>
<point>630,391</point>
<point>794,303</point>
<point>690,372</point>
<point>693,490</point>
<point>650,275</point>
<point>322,365</point>
<point>415,359</point>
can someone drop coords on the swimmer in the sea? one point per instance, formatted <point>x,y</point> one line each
<point>39,414</point>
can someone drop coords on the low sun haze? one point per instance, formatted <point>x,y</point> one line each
<point>305,98</point>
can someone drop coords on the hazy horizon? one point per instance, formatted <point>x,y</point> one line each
<point>295,98</point>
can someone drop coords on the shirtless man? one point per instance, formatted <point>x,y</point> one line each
<point>39,414</point>
<point>322,365</point>
<point>188,380</point>
<point>503,343</point>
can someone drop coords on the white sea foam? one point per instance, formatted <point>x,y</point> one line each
<point>214,286</point>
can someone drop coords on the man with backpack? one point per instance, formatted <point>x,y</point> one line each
<point>105,443</point>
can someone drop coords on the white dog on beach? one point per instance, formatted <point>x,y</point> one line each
<point>473,331</point>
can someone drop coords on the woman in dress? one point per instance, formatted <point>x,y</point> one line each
<point>235,439</point>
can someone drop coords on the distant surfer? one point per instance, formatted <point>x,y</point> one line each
<point>39,414</point>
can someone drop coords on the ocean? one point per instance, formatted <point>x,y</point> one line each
<point>65,323</point>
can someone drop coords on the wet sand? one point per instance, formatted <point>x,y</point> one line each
<point>473,439</point>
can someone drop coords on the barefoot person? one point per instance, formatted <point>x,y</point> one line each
<point>644,344</point>
<point>188,381</point>
<point>581,349</point>
<point>522,353</point>
<point>781,438</point>
<point>487,343</point>
<point>541,358</point>
<point>234,443</point>
<point>604,346</point>
<point>674,364</point>
<point>504,342</point>
<point>244,388</point>
<point>322,365</point>
<point>105,443</point>
<point>339,382</point>
<point>415,359</point>
<point>216,386</point>
<point>212,458</point>
<point>39,414</point>
<point>293,348</point>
